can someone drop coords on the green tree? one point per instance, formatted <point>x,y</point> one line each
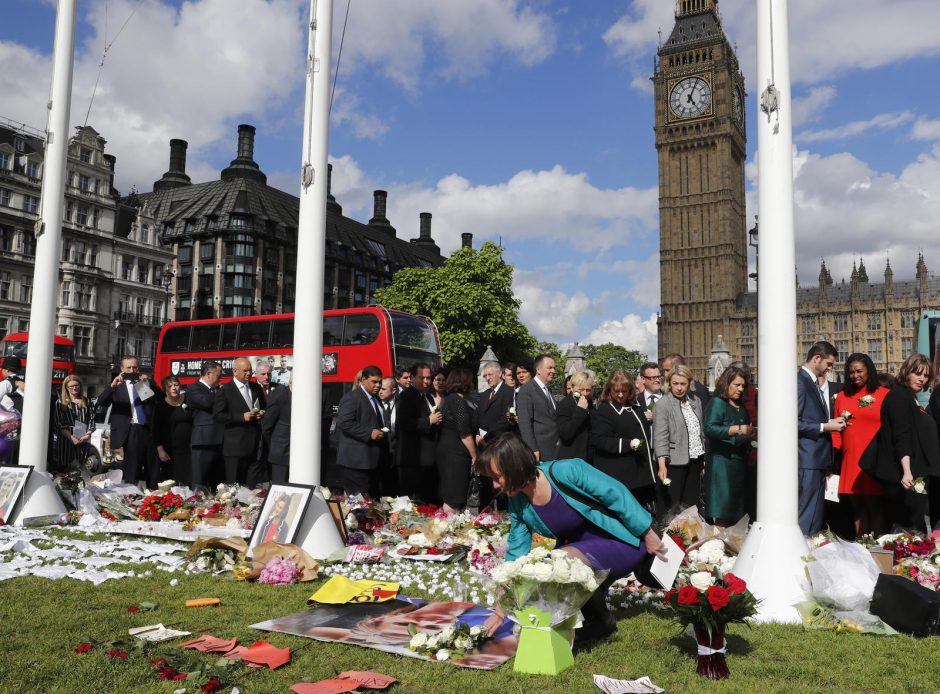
<point>470,300</point>
<point>605,358</point>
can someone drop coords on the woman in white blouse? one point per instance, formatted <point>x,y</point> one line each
<point>679,438</point>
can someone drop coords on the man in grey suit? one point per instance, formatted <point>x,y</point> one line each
<point>359,425</point>
<point>206,439</point>
<point>535,410</point>
<point>815,423</point>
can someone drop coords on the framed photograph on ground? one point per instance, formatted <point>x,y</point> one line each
<point>281,514</point>
<point>13,480</point>
<point>336,511</point>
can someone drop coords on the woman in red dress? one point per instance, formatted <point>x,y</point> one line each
<point>861,398</point>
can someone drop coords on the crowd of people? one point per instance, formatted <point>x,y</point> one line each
<point>659,433</point>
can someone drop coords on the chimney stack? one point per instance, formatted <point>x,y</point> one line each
<point>379,220</point>
<point>424,233</point>
<point>176,176</point>
<point>244,165</point>
<point>112,162</point>
<point>466,240</point>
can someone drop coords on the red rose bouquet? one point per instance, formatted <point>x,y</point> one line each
<point>156,506</point>
<point>709,601</point>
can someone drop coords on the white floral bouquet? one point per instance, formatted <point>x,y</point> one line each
<point>451,642</point>
<point>551,580</point>
<point>712,554</point>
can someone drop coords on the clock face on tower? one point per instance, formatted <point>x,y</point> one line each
<point>738,106</point>
<point>690,97</point>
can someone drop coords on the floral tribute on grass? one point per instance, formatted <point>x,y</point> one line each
<point>279,572</point>
<point>157,506</point>
<point>453,642</point>
<point>708,602</point>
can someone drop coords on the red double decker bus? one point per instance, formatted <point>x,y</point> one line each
<point>353,338</point>
<point>63,354</point>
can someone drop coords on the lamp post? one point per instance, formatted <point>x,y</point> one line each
<point>167,283</point>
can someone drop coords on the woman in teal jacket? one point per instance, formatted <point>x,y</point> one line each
<point>588,514</point>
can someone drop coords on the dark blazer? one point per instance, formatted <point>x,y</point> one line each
<point>906,430</point>
<point>611,435</point>
<point>201,401</point>
<point>815,447</point>
<point>491,414</point>
<point>574,429</point>
<point>122,410</point>
<point>354,424</point>
<point>417,438</point>
<point>702,393</point>
<point>537,424</point>
<point>240,438</point>
<point>275,426</point>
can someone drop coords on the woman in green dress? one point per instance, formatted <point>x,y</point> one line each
<point>729,433</point>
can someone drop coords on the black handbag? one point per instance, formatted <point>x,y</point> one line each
<point>473,492</point>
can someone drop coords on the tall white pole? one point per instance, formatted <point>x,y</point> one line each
<point>771,558</point>
<point>317,533</point>
<point>41,497</point>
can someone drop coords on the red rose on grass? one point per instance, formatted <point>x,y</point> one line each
<point>735,585</point>
<point>117,654</point>
<point>180,676</point>
<point>83,647</point>
<point>718,597</point>
<point>167,672</point>
<point>688,595</point>
<point>133,610</point>
<point>158,662</point>
<point>667,598</point>
<point>213,685</point>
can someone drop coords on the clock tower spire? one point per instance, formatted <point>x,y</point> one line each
<point>700,140</point>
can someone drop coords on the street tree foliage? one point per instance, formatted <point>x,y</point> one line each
<point>605,358</point>
<point>470,300</point>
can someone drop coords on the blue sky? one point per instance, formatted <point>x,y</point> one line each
<point>526,121</point>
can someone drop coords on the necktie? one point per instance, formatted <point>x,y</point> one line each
<point>387,419</point>
<point>549,396</point>
<point>246,394</point>
<point>492,392</point>
<point>139,409</point>
<point>377,406</point>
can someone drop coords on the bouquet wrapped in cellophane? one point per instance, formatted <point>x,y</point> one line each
<point>543,592</point>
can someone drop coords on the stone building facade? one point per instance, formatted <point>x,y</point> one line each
<point>700,137</point>
<point>235,241</point>
<point>110,295</point>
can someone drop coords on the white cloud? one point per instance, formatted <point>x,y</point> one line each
<point>463,39</point>
<point>883,121</point>
<point>827,39</point>
<point>844,210</point>
<point>925,129</point>
<point>551,314</point>
<point>638,278</point>
<point>807,109</point>
<point>631,332</point>
<point>192,72</point>
<point>347,109</point>
<point>549,206</point>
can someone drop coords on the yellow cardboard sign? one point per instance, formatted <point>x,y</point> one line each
<point>340,590</point>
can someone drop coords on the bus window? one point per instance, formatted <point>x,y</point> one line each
<point>229,331</point>
<point>205,338</point>
<point>63,353</point>
<point>15,349</point>
<point>332,331</point>
<point>361,329</point>
<point>282,334</point>
<point>254,335</point>
<point>176,340</point>
<point>413,333</point>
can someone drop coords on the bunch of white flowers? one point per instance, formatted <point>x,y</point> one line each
<point>451,642</point>
<point>544,566</point>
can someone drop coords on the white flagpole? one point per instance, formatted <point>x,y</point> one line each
<point>771,558</point>
<point>318,534</point>
<point>40,496</point>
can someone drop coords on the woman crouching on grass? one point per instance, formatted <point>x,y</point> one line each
<point>591,515</point>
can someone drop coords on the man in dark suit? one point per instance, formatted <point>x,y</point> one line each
<point>206,439</point>
<point>815,423</point>
<point>239,407</point>
<point>419,424</point>
<point>261,468</point>
<point>131,417</point>
<point>388,474</point>
<point>535,410</point>
<point>275,429</point>
<point>493,405</point>
<point>359,426</point>
<point>652,377</point>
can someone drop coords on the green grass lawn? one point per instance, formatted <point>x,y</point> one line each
<point>43,620</point>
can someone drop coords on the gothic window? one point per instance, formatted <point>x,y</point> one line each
<point>842,346</point>
<point>907,320</point>
<point>876,350</point>
<point>874,322</point>
<point>808,325</point>
<point>907,347</point>
<point>840,322</point>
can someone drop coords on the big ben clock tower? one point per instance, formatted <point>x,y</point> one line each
<point>700,138</point>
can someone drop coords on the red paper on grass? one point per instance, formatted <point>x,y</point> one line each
<point>263,653</point>
<point>207,643</point>
<point>324,687</point>
<point>237,653</point>
<point>368,680</point>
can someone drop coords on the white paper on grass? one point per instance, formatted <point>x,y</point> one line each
<point>832,488</point>
<point>155,633</point>
<point>644,685</point>
<point>666,570</point>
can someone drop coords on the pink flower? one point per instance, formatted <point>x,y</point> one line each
<point>279,572</point>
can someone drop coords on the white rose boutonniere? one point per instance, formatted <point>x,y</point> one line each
<point>576,394</point>
<point>636,444</point>
<point>866,401</point>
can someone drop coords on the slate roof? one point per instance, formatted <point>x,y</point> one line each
<point>691,30</point>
